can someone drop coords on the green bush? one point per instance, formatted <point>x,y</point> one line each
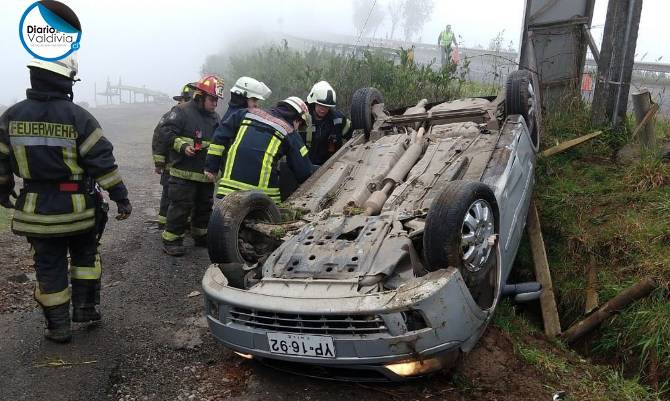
<point>290,72</point>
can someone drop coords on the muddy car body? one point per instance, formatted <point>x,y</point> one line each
<point>405,239</point>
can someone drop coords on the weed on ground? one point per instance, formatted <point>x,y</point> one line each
<point>615,218</point>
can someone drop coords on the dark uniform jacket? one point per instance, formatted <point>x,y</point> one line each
<point>55,146</point>
<point>254,142</point>
<point>159,148</point>
<point>232,109</point>
<point>326,135</point>
<point>188,124</point>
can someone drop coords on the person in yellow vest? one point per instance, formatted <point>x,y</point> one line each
<point>445,40</point>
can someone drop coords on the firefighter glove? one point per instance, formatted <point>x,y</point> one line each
<point>124,209</point>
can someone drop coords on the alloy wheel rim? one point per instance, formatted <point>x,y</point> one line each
<point>478,226</point>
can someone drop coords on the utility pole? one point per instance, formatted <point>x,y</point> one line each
<point>615,67</point>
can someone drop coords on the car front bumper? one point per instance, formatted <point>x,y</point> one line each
<point>449,321</point>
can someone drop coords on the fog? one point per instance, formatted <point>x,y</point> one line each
<point>163,44</point>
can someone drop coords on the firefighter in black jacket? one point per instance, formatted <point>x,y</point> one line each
<point>329,128</point>
<point>254,141</point>
<point>161,152</point>
<point>57,148</point>
<point>188,130</point>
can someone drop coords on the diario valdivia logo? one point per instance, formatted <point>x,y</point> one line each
<point>50,30</point>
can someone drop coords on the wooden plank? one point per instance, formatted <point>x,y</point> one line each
<point>591,286</point>
<point>640,290</point>
<point>562,147</point>
<point>552,323</point>
<point>592,43</point>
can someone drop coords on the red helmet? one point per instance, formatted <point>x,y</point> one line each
<point>210,85</point>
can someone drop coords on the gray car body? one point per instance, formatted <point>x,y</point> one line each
<point>353,274</point>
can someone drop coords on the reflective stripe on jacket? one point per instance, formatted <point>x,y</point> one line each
<point>253,142</point>
<point>48,139</point>
<point>159,149</point>
<point>181,128</point>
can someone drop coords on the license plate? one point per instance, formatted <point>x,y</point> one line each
<point>302,345</point>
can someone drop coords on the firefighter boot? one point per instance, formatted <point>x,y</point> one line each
<point>85,313</point>
<point>58,323</point>
<point>84,300</point>
<point>174,248</point>
<point>200,241</point>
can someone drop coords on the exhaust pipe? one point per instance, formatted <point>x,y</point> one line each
<point>397,174</point>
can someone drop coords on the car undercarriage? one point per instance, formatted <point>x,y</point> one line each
<point>390,259</point>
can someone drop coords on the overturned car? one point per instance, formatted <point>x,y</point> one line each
<point>390,260</point>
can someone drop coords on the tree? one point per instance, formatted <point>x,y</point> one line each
<point>395,12</point>
<point>368,16</point>
<point>415,14</point>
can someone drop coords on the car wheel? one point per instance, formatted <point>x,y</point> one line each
<point>461,232</point>
<point>228,241</point>
<point>361,108</point>
<point>520,98</point>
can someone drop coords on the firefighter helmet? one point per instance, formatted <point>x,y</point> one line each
<point>186,93</point>
<point>251,88</point>
<point>298,105</point>
<point>322,93</point>
<point>67,67</point>
<point>209,85</point>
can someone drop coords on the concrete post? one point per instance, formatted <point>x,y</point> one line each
<point>615,67</point>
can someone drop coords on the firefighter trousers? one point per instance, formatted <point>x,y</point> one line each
<point>188,198</point>
<point>51,265</point>
<point>165,201</point>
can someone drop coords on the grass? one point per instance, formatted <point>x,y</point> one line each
<point>615,217</point>
<point>549,363</point>
<point>563,369</point>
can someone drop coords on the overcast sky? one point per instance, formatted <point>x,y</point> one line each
<point>163,44</point>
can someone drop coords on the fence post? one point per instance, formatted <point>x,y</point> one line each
<point>641,105</point>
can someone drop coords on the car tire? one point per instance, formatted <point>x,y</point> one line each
<point>361,108</point>
<point>225,223</point>
<point>457,234</point>
<point>520,98</point>
<point>234,273</point>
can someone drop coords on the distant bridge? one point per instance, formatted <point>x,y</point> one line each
<point>120,93</point>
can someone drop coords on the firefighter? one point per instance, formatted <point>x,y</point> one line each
<point>188,129</point>
<point>58,149</point>
<point>254,141</point>
<point>329,128</point>
<point>160,154</point>
<point>245,94</point>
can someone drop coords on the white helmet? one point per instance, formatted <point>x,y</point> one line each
<point>299,106</point>
<point>322,93</point>
<point>67,67</point>
<point>249,88</point>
